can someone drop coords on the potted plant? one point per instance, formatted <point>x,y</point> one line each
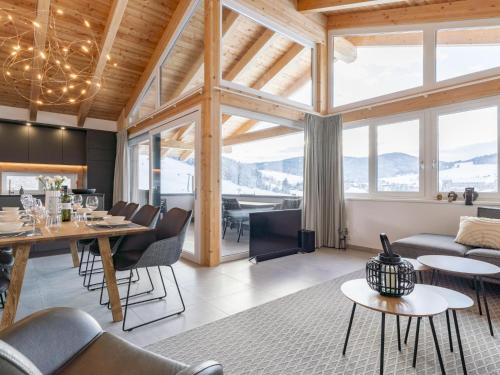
<point>52,187</point>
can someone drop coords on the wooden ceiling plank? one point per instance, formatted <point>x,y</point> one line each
<point>43,8</point>
<point>228,21</point>
<point>441,12</point>
<point>320,6</point>
<point>114,20</point>
<point>177,18</point>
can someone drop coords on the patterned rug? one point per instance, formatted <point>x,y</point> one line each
<point>303,333</point>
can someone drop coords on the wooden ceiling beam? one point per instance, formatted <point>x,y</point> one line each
<point>320,6</point>
<point>259,134</point>
<point>262,42</point>
<point>112,25</point>
<point>175,22</point>
<point>441,12</point>
<point>42,18</point>
<point>227,23</point>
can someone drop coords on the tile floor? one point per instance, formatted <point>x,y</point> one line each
<point>209,293</point>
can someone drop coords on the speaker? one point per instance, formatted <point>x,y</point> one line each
<point>307,240</point>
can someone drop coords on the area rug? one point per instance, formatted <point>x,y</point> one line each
<point>303,333</point>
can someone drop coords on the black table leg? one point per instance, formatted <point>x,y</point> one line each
<point>478,298</point>
<point>415,349</point>
<point>349,328</point>
<point>399,332</point>
<point>449,330</point>
<point>436,344</point>
<point>382,337</point>
<point>407,330</point>
<point>457,331</point>
<point>483,290</point>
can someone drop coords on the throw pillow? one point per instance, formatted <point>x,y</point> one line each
<point>479,232</point>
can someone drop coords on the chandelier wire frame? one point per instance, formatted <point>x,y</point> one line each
<point>62,69</point>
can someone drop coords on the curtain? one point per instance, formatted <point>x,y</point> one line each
<point>121,186</point>
<point>323,179</point>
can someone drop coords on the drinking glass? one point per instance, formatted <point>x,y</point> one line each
<point>92,202</point>
<point>77,201</point>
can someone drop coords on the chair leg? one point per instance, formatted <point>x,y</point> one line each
<point>86,268</point>
<point>133,295</point>
<point>239,231</point>
<point>127,304</point>
<point>1,300</point>
<point>224,229</point>
<point>81,260</point>
<point>126,301</point>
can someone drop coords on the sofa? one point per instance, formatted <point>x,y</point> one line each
<point>439,244</point>
<point>69,341</point>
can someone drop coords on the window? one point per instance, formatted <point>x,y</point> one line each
<point>275,170</point>
<point>139,172</point>
<point>468,150</point>
<point>257,57</point>
<point>467,50</point>
<point>355,148</point>
<point>371,65</point>
<point>146,105</point>
<point>182,69</point>
<point>29,181</point>
<point>398,156</point>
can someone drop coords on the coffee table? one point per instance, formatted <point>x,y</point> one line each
<point>420,303</point>
<point>418,267</point>
<point>465,266</point>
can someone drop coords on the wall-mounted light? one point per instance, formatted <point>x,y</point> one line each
<point>28,124</point>
<point>63,128</point>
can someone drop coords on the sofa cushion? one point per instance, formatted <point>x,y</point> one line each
<point>429,244</point>
<point>479,232</point>
<point>486,255</point>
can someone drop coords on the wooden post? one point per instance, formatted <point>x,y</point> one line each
<point>74,252</point>
<point>210,200</point>
<point>110,275</point>
<point>322,67</point>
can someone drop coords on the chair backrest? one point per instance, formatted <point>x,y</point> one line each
<point>129,210</point>
<point>230,204</point>
<point>290,204</point>
<point>146,216</point>
<point>173,223</point>
<point>117,207</point>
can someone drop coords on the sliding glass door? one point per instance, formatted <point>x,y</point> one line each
<point>173,173</point>
<point>139,172</point>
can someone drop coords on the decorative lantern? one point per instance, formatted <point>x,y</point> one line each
<point>388,274</point>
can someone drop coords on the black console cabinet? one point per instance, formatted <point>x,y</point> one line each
<point>14,143</point>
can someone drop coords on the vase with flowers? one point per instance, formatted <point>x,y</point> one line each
<point>52,187</point>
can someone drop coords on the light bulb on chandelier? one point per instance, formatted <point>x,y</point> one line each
<point>62,62</point>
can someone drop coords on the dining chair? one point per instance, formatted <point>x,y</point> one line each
<point>161,247</point>
<point>146,216</point>
<point>84,244</point>
<point>4,286</point>
<point>229,204</point>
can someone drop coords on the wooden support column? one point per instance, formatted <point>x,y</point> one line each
<point>321,104</point>
<point>210,200</point>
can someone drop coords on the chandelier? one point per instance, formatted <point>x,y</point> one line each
<point>57,58</point>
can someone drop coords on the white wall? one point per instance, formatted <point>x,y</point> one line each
<point>366,219</point>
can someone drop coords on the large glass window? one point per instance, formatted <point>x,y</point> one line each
<point>468,150</point>
<point>398,156</point>
<point>146,105</point>
<point>257,57</point>
<point>467,50</point>
<point>29,182</point>
<point>371,65</point>
<point>139,173</point>
<point>182,69</point>
<point>356,152</point>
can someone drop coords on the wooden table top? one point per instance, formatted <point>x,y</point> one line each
<point>417,266</point>
<point>420,303</point>
<point>454,299</point>
<point>73,230</point>
<point>459,265</point>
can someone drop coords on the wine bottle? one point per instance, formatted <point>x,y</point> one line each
<point>65,205</point>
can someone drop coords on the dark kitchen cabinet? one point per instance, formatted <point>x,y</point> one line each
<point>74,150</point>
<point>14,143</point>
<point>45,145</point>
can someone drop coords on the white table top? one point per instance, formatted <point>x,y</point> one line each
<point>459,265</point>
<point>454,299</point>
<point>420,303</point>
<point>417,266</point>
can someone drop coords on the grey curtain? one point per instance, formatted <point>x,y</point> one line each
<point>121,181</point>
<point>323,179</point>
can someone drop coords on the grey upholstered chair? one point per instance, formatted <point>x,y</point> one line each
<point>67,341</point>
<point>161,247</point>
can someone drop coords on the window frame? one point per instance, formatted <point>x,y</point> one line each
<point>429,150</point>
<point>429,60</point>
<point>237,7</point>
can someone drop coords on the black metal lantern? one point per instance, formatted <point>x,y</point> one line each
<point>388,274</point>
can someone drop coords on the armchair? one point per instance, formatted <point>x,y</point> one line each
<point>70,342</point>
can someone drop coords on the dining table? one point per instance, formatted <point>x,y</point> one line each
<point>68,231</point>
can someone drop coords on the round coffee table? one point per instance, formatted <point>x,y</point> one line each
<point>464,266</point>
<point>456,301</point>
<point>418,267</point>
<point>420,303</point>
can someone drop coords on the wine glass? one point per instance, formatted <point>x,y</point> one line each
<point>77,201</point>
<point>92,202</point>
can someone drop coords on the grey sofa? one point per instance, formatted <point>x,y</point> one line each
<point>69,341</point>
<point>439,244</point>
